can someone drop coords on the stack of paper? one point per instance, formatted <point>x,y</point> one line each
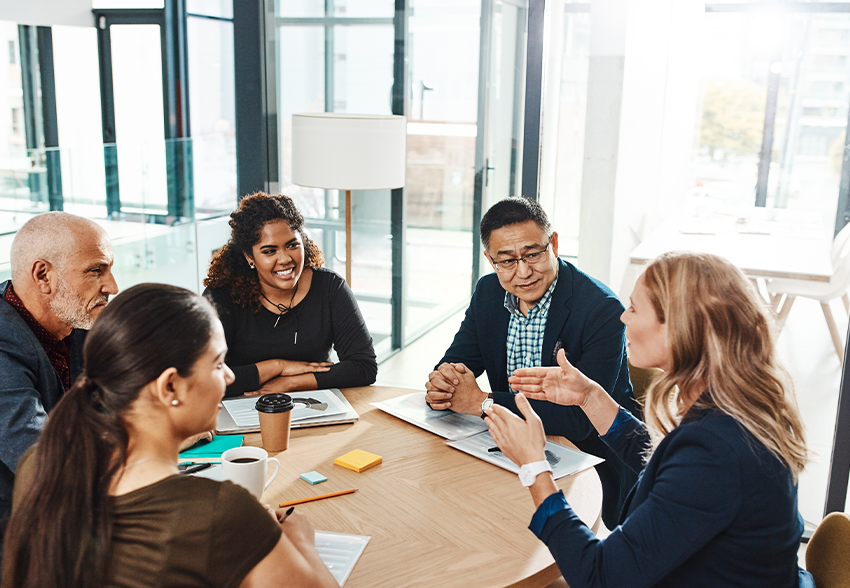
<point>340,552</point>
<point>469,434</point>
<point>445,423</point>
<point>564,461</point>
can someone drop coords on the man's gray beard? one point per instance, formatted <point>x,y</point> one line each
<point>70,308</point>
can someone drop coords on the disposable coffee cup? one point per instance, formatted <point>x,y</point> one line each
<point>275,418</point>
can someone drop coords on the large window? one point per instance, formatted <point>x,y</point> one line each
<point>803,59</point>
<point>339,57</point>
<point>564,115</point>
<point>14,162</point>
<point>212,106</point>
<point>442,129</point>
<point>145,189</point>
<point>770,112</point>
<point>332,64</point>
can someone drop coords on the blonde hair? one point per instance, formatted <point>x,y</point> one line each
<point>720,335</point>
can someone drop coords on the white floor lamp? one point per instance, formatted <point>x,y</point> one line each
<point>348,152</point>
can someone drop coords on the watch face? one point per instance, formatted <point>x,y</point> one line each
<point>528,473</point>
<point>488,402</point>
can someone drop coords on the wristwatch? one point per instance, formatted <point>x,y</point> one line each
<point>488,402</point>
<point>529,472</point>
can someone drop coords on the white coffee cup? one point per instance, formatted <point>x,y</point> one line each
<point>247,466</point>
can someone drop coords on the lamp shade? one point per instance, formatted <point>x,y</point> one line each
<point>348,151</point>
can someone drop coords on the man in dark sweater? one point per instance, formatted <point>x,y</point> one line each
<point>62,276</point>
<point>534,305</point>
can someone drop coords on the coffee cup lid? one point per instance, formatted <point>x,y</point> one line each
<point>272,403</point>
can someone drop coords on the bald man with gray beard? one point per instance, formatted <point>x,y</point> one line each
<point>61,280</point>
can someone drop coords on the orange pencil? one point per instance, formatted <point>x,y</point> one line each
<point>319,497</point>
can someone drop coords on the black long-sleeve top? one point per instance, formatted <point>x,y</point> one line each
<point>328,316</point>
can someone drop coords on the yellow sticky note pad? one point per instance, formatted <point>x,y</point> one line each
<point>358,460</point>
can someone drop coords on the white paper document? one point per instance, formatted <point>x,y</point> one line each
<point>214,472</point>
<point>564,461</point>
<point>445,423</point>
<point>315,403</point>
<point>340,552</point>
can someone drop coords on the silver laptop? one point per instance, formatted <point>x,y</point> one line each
<point>227,425</point>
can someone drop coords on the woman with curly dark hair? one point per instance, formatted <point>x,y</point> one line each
<point>281,310</point>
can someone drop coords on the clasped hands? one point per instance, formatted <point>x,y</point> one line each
<point>453,385</point>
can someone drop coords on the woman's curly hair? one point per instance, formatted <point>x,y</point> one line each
<point>228,267</point>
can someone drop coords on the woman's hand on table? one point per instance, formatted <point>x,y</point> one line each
<point>295,368</point>
<point>521,441</point>
<point>279,515</point>
<point>187,443</point>
<point>283,375</point>
<point>287,384</point>
<point>294,524</point>
<point>294,561</point>
<point>298,529</point>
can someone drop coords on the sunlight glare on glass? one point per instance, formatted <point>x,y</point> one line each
<point>769,31</point>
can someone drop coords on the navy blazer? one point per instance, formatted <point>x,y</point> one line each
<point>584,320</point>
<point>713,507</point>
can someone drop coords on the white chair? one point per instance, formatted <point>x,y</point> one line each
<point>823,292</point>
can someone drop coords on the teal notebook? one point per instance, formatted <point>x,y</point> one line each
<point>214,448</point>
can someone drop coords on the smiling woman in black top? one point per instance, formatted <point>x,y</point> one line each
<point>281,311</point>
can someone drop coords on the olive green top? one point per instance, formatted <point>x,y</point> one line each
<point>184,531</point>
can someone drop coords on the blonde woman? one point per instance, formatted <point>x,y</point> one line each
<point>716,502</point>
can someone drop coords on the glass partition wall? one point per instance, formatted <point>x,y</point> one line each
<point>124,185</point>
<point>146,143</point>
<point>343,56</point>
<point>338,62</point>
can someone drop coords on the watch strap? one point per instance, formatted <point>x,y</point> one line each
<point>528,472</point>
<point>489,397</point>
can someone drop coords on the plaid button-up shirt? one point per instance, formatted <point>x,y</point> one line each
<point>525,333</point>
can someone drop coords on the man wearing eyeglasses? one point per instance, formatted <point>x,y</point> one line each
<point>534,305</point>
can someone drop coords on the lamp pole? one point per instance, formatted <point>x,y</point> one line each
<point>348,237</point>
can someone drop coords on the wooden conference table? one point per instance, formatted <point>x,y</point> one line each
<point>436,516</point>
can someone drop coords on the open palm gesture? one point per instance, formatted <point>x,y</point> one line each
<point>566,385</point>
<point>561,385</point>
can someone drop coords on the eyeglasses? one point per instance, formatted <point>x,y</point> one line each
<point>509,265</point>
